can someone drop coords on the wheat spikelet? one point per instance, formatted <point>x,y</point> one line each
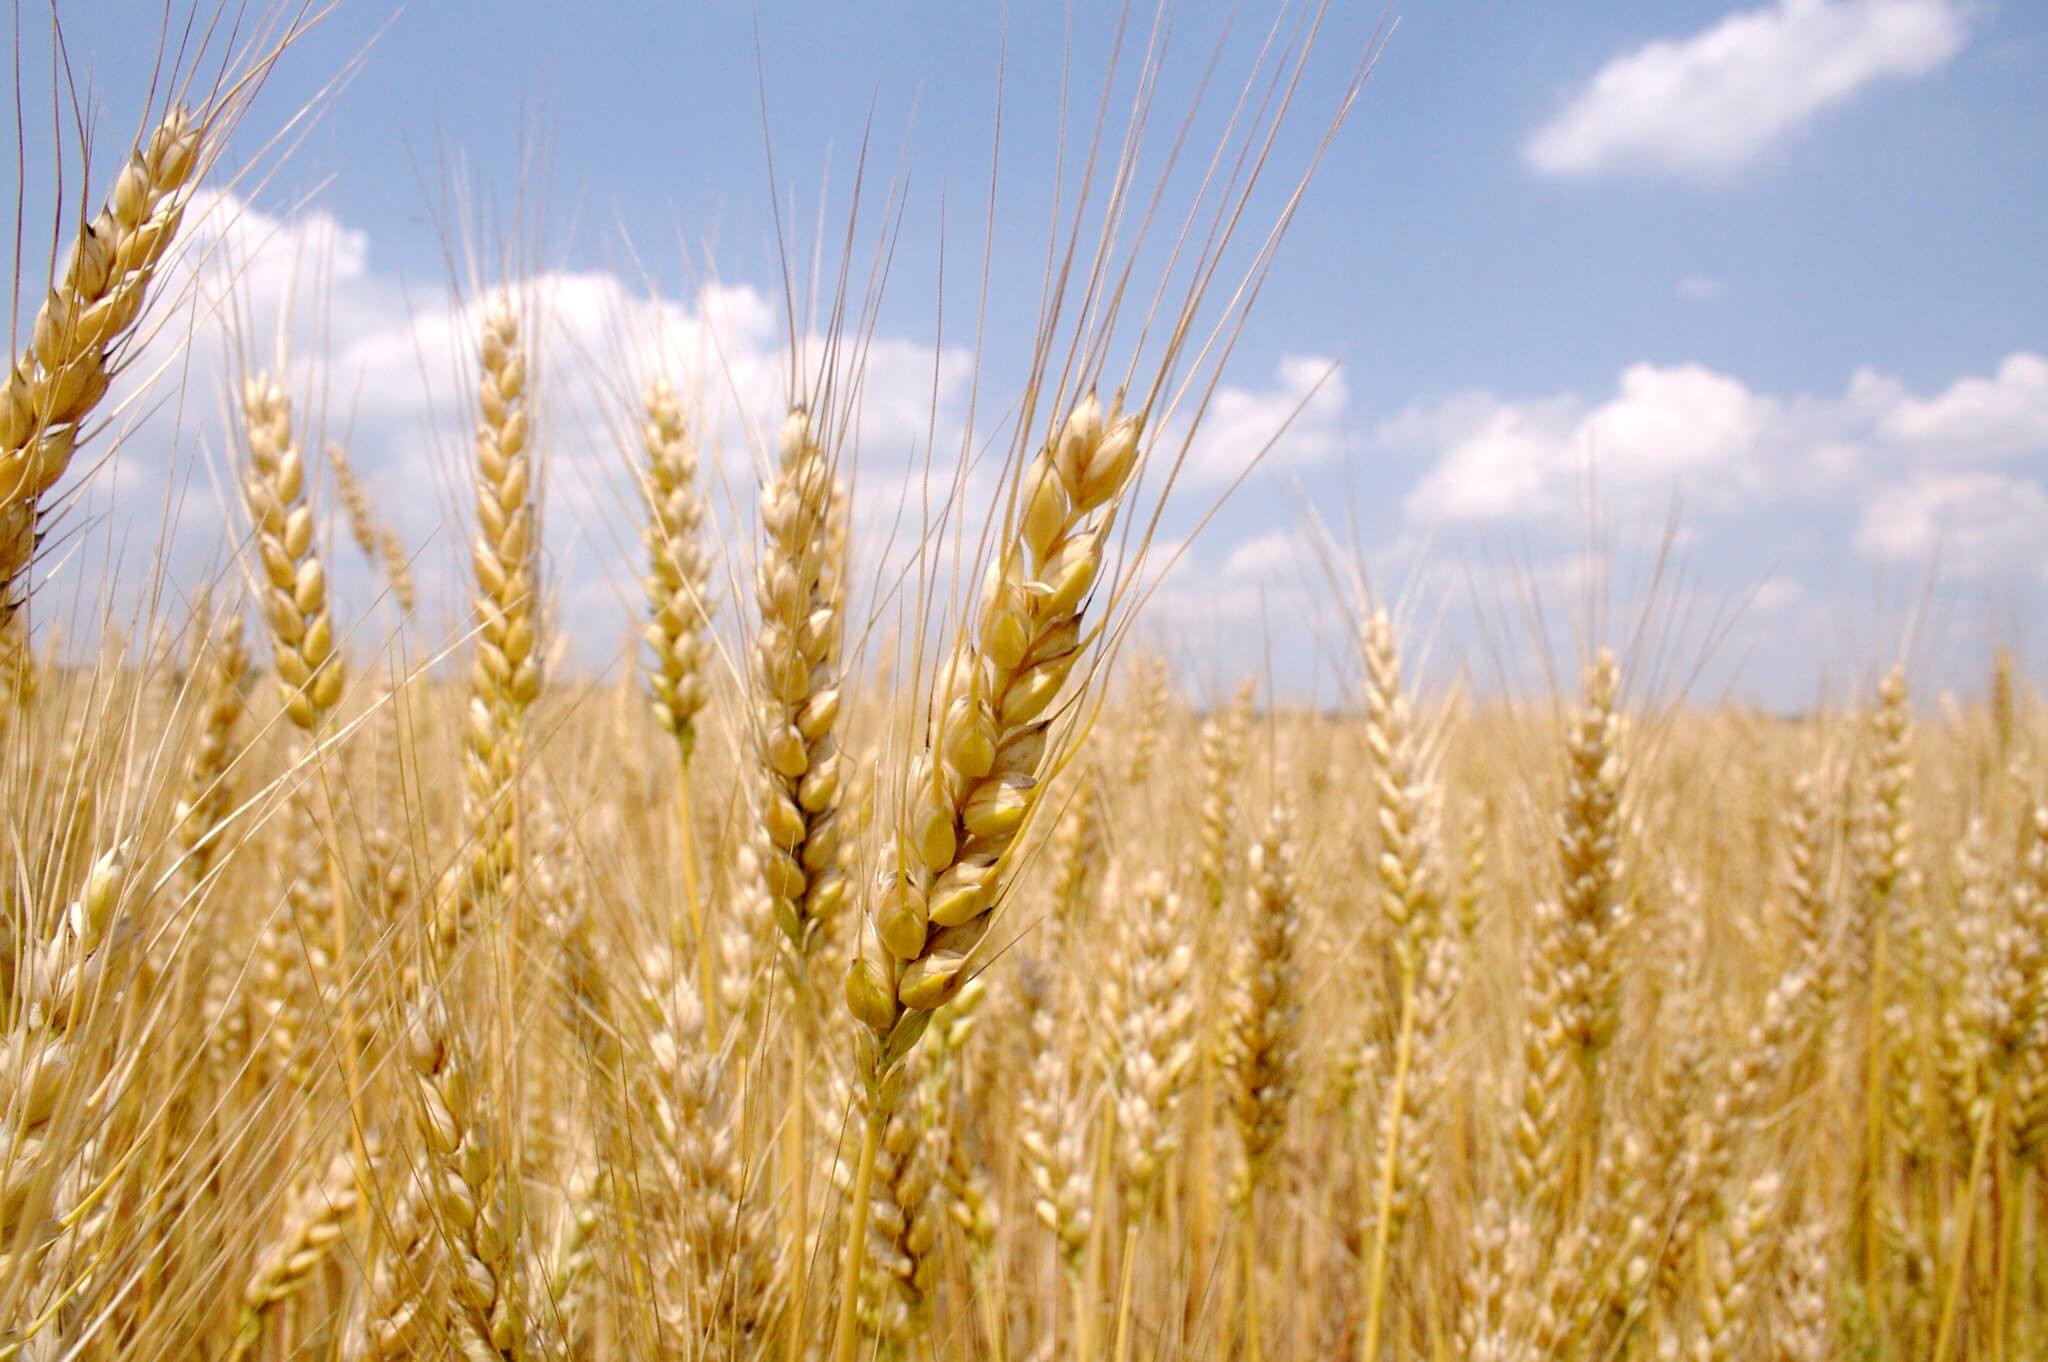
<point>2017,986</point>
<point>1471,893</point>
<point>1404,795</point>
<point>905,1214</point>
<point>575,1284</point>
<point>1224,741</point>
<point>405,1295</point>
<point>723,1288</point>
<point>1590,864</point>
<point>1413,1146</point>
<point>465,1189</point>
<point>679,571</point>
<point>1884,834</point>
<point>1076,850</point>
<point>1807,907</point>
<point>1808,1331</point>
<point>801,590</point>
<point>1574,978</point>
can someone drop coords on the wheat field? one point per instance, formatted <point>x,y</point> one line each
<point>893,953</point>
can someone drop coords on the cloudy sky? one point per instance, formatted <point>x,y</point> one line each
<point>1760,285</point>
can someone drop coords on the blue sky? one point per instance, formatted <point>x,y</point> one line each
<point>1778,263</point>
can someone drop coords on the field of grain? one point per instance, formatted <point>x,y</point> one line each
<point>896,956</point>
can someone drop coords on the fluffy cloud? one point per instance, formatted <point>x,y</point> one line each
<point>1705,106</point>
<point>1665,426</point>
<point>1296,420</point>
<point>2001,415</point>
<point>1690,431</point>
<point>1969,524</point>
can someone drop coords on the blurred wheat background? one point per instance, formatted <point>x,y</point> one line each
<point>891,949</point>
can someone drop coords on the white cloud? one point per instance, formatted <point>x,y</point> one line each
<point>1702,287</point>
<point>1689,431</point>
<point>2004,414</point>
<point>1301,416</point>
<point>1969,524</point>
<point>1273,554</point>
<point>1705,106</point>
<point>1666,426</point>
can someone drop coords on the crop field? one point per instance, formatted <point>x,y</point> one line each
<point>892,949</point>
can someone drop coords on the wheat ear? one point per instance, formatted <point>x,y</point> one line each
<point>58,989</point>
<point>982,771</point>
<point>377,540</point>
<point>801,591</point>
<point>1155,1036</point>
<point>309,672</point>
<point>1261,1045</point>
<point>1405,809</point>
<point>505,674</point>
<point>1224,741</point>
<point>209,797</point>
<point>679,603</point>
<point>55,384</point>
<point>1733,1260</point>
<point>1574,970</point>
<point>319,1216</point>
<point>1154,686</point>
